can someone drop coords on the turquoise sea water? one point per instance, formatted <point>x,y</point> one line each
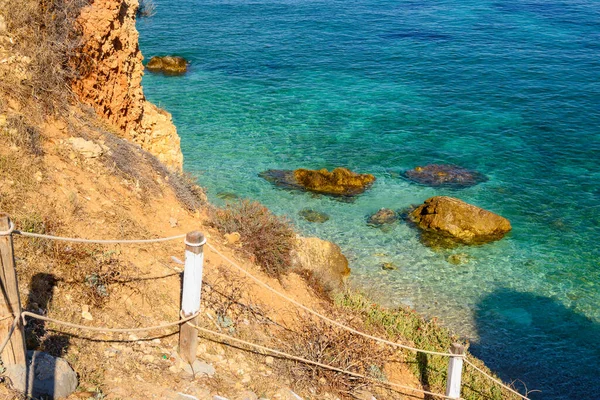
<point>509,88</point>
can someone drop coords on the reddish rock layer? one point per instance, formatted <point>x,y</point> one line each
<point>111,79</point>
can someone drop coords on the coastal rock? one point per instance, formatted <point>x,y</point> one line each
<point>382,217</point>
<point>86,148</point>
<point>445,175</point>
<point>110,79</point>
<point>339,182</point>
<point>323,259</point>
<point>172,65</point>
<point>460,222</point>
<point>313,216</point>
<point>44,376</point>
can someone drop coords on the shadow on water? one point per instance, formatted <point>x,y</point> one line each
<point>541,342</point>
<point>41,292</point>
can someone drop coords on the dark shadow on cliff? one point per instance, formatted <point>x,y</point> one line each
<point>540,342</point>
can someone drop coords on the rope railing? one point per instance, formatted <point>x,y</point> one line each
<point>107,330</point>
<point>282,354</point>
<point>187,320</point>
<point>498,382</point>
<point>97,241</point>
<point>325,318</point>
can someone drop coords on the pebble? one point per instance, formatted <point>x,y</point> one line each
<point>148,358</point>
<point>247,395</point>
<point>269,360</point>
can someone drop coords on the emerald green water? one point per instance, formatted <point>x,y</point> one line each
<point>508,88</point>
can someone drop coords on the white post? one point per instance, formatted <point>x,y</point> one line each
<point>455,365</point>
<point>190,297</point>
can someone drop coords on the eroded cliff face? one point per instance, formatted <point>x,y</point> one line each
<point>111,79</point>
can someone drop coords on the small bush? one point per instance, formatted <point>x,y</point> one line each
<point>265,236</point>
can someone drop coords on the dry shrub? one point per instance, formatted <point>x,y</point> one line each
<point>227,297</point>
<point>265,236</point>
<point>147,8</point>
<point>319,341</point>
<point>133,163</point>
<point>46,33</point>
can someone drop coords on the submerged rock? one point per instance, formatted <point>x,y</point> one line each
<point>453,220</point>
<point>389,266</point>
<point>458,258</point>
<point>228,196</point>
<point>339,182</point>
<point>313,216</point>
<point>447,175</point>
<point>168,64</point>
<point>383,217</point>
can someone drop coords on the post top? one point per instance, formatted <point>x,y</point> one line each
<point>457,348</point>
<point>6,225</point>
<point>195,239</point>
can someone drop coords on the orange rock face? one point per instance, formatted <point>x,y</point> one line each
<point>111,79</point>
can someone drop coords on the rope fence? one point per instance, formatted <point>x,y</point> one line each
<point>190,309</point>
<point>97,241</point>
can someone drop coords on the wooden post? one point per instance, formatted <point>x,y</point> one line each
<point>10,302</point>
<point>455,365</point>
<point>190,298</point>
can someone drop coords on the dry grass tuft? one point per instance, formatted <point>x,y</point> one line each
<point>133,163</point>
<point>264,236</point>
<point>46,38</point>
<point>22,133</point>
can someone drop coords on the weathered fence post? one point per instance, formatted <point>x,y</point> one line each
<point>190,298</point>
<point>10,302</point>
<point>455,365</point>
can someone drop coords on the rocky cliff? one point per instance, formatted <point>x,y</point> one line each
<point>111,79</point>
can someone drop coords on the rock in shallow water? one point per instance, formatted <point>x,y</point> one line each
<point>388,266</point>
<point>339,182</point>
<point>454,220</point>
<point>383,217</point>
<point>446,175</point>
<point>167,64</point>
<point>313,216</point>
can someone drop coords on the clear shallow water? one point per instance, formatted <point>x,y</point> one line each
<point>509,88</point>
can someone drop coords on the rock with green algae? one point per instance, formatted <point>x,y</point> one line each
<point>167,64</point>
<point>313,216</point>
<point>382,217</point>
<point>339,182</point>
<point>445,175</point>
